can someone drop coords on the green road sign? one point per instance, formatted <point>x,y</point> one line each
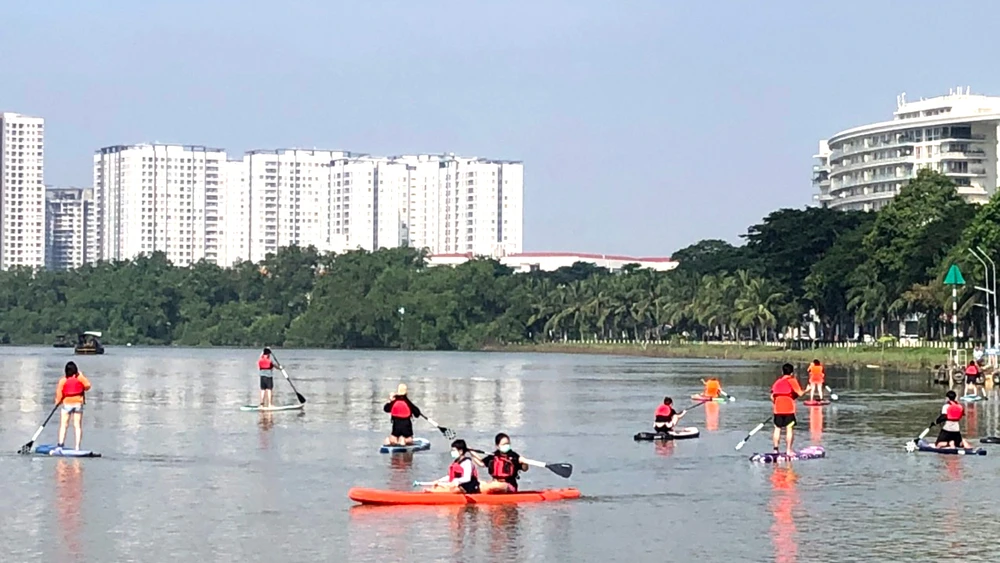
<point>954,276</point>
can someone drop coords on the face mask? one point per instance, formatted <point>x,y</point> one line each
<point>504,448</point>
<point>454,454</point>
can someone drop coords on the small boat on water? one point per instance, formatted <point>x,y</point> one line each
<point>89,343</point>
<point>63,342</point>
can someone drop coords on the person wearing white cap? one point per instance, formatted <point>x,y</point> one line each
<point>401,412</point>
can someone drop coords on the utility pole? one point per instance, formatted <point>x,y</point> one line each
<point>989,293</point>
<point>996,313</point>
<point>954,279</point>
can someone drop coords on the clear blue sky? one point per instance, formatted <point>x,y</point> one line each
<point>644,125</point>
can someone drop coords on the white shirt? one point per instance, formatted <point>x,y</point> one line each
<point>950,425</point>
<point>466,473</point>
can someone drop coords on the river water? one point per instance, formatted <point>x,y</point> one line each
<point>188,477</point>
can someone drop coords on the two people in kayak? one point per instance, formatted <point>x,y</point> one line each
<point>504,465</point>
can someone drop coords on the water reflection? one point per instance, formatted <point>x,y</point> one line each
<point>711,417</point>
<point>784,501</point>
<point>816,424</point>
<point>265,423</point>
<point>69,494</point>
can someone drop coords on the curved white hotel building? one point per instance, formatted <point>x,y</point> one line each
<point>863,168</point>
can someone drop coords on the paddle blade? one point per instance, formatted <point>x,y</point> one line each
<point>563,470</point>
<point>301,398</point>
<point>447,432</point>
<point>26,449</point>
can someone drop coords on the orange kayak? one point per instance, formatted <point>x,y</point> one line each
<point>389,498</point>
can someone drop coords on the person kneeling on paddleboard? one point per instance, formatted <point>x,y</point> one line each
<point>713,389</point>
<point>462,474</point>
<point>266,366</point>
<point>951,432</point>
<point>401,412</point>
<point>504,465</point>
<point>817,380</point>
<point>70,391</point>
<point>783,394</point>
<point>666,417</point>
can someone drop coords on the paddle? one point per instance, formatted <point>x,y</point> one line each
<point>298,395</point>
<point>833,396</point>
<point>913,443</point>
<point>447,432</point>
<point>755,430</point>
<point>563,470</point>
<point>26,449</point>
<point>424,483</point>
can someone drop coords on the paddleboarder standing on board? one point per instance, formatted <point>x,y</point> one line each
<point>972,379</point>
<point>401,412</point>
<point>817,380</point>
<point>70,392</point>
<point>266,366</point>
<point>783,394</point>
<point>951,431</point>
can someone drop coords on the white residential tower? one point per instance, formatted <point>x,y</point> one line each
<point>70,228</point>
<point>22,191</point>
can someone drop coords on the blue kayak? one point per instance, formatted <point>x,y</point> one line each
<point>419,444</point>
<point>52,450</point>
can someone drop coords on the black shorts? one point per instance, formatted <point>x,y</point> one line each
<point>784,420</point>
<point>946,436</point>
<point>971,379</point>
<point>470,488</point>
<point>662,429</point>
<point>402,427</point>
<point>266,383</point>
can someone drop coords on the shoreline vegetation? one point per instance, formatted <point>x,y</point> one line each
<point>811,274</point>
<point>891,358</point>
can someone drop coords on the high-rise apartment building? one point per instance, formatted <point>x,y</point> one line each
<point>287,197</point>
<point>22,191</point>
<point>194,203</point>
<point>164,198</point>
<point>864,167</point>
<point>70,228</point>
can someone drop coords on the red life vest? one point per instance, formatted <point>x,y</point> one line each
<point>954,412</point>
<point>265,362</point>
<point>782,388</point>
<point>73,387</point>
<point>502,467</point>
<point>972,370</point>
<point>455,470</point>
<point>400,409</point>
<point>665,410</point>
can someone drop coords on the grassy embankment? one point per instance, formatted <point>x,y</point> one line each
<point>888,358</point>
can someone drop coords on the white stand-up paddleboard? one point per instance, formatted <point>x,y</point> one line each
<point>297,406</point>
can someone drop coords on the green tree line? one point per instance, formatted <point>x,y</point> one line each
<point>855,271</point>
